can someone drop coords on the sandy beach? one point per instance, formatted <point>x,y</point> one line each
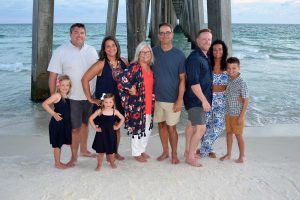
<point>271,171</point>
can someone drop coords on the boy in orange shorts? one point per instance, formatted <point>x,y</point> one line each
<point>236,104</point>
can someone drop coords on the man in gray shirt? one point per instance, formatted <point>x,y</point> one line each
<point>169,86</point>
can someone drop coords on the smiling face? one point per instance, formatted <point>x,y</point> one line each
<point>204,41</point>
<point>145,55</point>
<point>165,35</point>
<point>233,69</point>
<point>108,103</point>
<point>77,36</point>
<point>110,48</point>
<point>217,51</point>
<point>64,87</point>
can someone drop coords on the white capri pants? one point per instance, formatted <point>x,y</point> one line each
<point>138,146</point>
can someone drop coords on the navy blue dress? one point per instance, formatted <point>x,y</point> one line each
<point>60,132</point>
<point>107,84</point>
<point>105,141</point>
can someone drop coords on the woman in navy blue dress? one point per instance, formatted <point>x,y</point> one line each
<point>106,69</point>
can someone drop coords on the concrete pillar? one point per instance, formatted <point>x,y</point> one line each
<point>42,38</point>
<point>112,15</point>
<point>136,26</point>
<point>219,21</point>
<point>156,13</point>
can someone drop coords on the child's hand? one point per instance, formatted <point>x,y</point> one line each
<point>57,116</point>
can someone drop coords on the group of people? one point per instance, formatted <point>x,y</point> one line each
<point>107,91</point>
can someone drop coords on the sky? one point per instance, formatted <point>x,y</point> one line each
<point>95,11</point>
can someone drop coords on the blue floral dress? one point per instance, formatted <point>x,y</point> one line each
<point>215,124</point>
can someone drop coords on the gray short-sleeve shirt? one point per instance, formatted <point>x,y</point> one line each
<point>167,68</point>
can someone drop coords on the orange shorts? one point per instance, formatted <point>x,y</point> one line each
<point>232,127</point>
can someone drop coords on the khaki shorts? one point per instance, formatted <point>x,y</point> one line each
<point>232,127</point>
<point>163,111</point>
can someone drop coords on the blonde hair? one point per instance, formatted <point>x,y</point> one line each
<point>108,96</point>
<point>138,50</point>
<point>63,78</point>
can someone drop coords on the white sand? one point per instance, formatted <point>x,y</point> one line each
<point>272,171</point>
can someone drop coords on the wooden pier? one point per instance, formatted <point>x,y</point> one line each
<point>187,14</point>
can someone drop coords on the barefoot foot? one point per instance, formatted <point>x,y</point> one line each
<point>140,159</point>
<point>98,168</point>
<point>119,157</point>
<point>193,162</point>
<point>240,160</point>
<point>61,166</point>
<point>88,154</point>
<point>175,159</point>
<point>113,165</point>
<point>226,157</point>
<point>146,156</point>
<point>163,156</point>
<point>212,155</point>
<point>72,163</point>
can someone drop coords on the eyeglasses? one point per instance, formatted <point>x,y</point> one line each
<point>165,33</point>
<point>145,52</point>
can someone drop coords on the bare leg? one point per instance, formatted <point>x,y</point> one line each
<point>74,147</point>
<point>173,142</point>
<point>84,132</point>
<point>164,138</point>
<point>111,158</point>
<point>241,145</point>
<point>195,139</point>
<point>229,140</point>
<point>117,155</point>
<point>58,164</point>
<point>189,130</point>
<point>99,161</point>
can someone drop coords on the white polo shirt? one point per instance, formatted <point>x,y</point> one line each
<point>74,62</point>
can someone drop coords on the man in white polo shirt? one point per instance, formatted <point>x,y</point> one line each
<point>73,59</point>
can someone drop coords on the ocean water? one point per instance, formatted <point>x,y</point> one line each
<point>270,63</point>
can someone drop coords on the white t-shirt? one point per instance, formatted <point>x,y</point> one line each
<point>74,62</point>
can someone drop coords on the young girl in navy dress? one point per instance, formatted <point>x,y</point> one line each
<point>104,123</point>
<point>60,130</point>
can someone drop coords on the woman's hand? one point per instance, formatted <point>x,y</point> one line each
<point>95,101</point>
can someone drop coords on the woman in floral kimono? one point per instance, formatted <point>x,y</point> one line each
<point>135,86</point>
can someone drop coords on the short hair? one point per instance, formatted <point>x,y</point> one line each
<point>102,53</point>
<point>233,60</point>
<point>224,56</point>
<point>205,30</point>
<point>138,50</point>
<point>79,25</point>
<point>165,24</point>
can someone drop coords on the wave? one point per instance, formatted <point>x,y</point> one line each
<point>15,67</point>
<point>2,36</point>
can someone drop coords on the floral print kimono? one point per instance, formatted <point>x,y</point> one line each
<point>134,105</point>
